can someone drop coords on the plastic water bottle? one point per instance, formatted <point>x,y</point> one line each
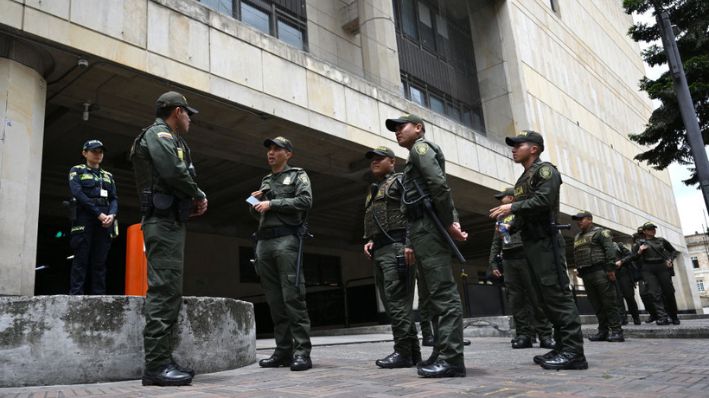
<point>505,233</point>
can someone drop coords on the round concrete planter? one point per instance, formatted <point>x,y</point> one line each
<point>85,339</point>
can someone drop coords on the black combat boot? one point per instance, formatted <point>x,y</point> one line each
<point>547,342</point>
<point>675,320</point>
<point>538,359</point>
<point>624,320</point>
<point>395,360</point>
<point>275,361</point>
<point>600,336</point>
<point>301,362</point>
<point>662,322</point>
<point>166,375</point>
<point>442,368</point>
<point>566,360</point>
<point>522,342</point>
<point>651,319</point>
<point>636,319</point>
<point>184,369</point>
<point>616,336</point>
<point>431,360</point>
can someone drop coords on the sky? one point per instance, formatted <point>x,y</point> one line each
<point>690,203</point>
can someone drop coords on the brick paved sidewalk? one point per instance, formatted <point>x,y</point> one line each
<point>636,368</point>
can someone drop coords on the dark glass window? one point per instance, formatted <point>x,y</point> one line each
<point>408,18</point>
<point>221,6</point>
<point>417,95</point>
<point>426,26</point>
<point>695,262</point>
<point>437,104</point>
<point>290,34</point>
<point>255,17</point>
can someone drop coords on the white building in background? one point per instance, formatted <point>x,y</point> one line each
<point>325,73</point>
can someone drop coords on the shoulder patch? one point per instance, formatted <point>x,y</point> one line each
<point>545,172</point>
<point>606,233</point>
<point>165,134</point>
<point>303,178</point>
<point>421,148</point>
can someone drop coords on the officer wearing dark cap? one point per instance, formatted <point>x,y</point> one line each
<point>169,195</point>
<point>594,255</point>
<point>657,256</point>
<point>524,302</point>
<point>385,237</point>
<point>94,191</point>
<point>425,179</point>
<point>285,198</point>
<point>536,207</point>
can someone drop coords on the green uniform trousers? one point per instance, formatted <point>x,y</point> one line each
<point>625,290</point>
<point>275,264</point>
<point>165,247</point>
<point>659,283</point>
<point>427,323</point>
<point>434,261</point>
<point>556,298</point>
<point>397,293</point>
<point>601,293</point>
<point>526,310</point>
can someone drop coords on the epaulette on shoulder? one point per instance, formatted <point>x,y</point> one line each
<point>79,167</point>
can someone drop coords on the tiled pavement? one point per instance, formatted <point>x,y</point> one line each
<point>637,368</point>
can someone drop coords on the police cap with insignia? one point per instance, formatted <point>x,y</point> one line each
<point>526,136</point>
<point>379,151</point>
<point>507,192</point>
<point>173,98</point>
<point>392,124</point>
<point>649,225</point>
<point>280,142</point>
<point>93,144</point>
<point>581,215</point>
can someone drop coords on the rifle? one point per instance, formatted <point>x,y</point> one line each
<point>428,205</point>
<point>555,228</point>
<point>302,233</point>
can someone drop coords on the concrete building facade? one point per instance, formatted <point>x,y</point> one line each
<point>698,252</point>
<point>325,73</point>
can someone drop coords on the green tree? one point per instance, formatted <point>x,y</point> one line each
<point>665,129</point>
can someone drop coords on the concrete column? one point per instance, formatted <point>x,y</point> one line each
<point>22,105</point>
<point>380,57</point>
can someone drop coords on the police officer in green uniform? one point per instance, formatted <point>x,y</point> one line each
<point>169,195</point>
<point>645,295</point>
<point>657,256</point>
<point>385,236</point>
<point>594,254</point>
<point>96,204</point>
<point>425,179</point>
<point>625,276</point>
<point>536,206</point>
<point>527,313</point>
<point>285,198</point>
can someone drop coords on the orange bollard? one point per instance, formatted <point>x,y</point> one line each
<point>136,262</point>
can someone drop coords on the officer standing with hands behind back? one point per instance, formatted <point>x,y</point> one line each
<point>169,195</point>
<point>94,190</point>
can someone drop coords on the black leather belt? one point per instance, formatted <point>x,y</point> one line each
<point>381,240</point>
<point>592,268</point>
<point>276,232</point>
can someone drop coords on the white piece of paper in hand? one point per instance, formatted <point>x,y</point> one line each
<point>252,201</point>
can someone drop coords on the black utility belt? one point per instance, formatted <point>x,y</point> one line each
<point>513,252</point>
<point>592,268</point>
<point>659,261</point>
<point>276,232</point>
<point>381,240</point>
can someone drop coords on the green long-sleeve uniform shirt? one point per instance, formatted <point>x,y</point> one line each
<point>290,194</point>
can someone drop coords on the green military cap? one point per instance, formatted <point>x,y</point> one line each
<point>173,98</point>
<point>93,144</point>
<point>379,151</point>
<point>280,142</point>
<point>403,119</point>
<point>526,136</point>
<point>507,192</point>
<point>649,225</point>
<point>582,214</point>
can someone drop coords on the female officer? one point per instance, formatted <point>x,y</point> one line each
<point>96,207</point>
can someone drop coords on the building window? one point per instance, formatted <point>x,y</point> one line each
<point>437,60</point>
<point>284,19</point>
<point>695,262</point>
<point>700,285</point>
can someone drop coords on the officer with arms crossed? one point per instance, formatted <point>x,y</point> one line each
<point>94,190</point>
<point>528,315</point>
<point>594,254</point>
<point>536,207</point>
<point>425,180</point>
<point>169,195</point>
<point>385,234</point>
<point>285,197</point>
